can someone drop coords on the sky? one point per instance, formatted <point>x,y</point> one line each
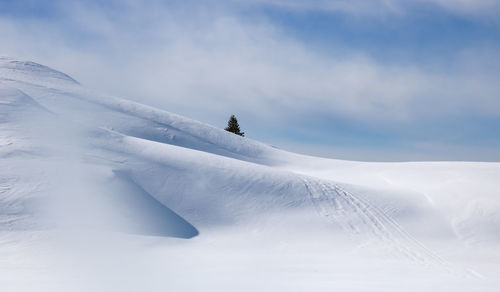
<point>388,80</point>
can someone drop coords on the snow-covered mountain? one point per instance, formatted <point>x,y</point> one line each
<point>99,193</point>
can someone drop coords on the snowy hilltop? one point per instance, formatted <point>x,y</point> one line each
<point>99,193</point>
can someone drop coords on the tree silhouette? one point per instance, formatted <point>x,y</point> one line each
<point>233,127</point>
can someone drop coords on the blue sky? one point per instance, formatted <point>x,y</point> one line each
<point>359,79</point>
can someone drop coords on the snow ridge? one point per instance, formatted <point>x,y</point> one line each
<point>76,161</point>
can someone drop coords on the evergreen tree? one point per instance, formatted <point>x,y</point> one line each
<point>233,127</point>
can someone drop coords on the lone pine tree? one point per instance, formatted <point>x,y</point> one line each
<point>233,127</point>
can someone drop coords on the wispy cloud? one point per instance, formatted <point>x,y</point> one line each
<point>378,8</point>
<point>208,61</point>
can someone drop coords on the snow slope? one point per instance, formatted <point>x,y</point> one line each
<point>99,193</point>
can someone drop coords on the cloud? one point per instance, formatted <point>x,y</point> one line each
<point>470,7</point>
<point>356,7</point>
<point>211,61</point>
<point>384,8</point>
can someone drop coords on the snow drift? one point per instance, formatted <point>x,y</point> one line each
<point>76,163</point>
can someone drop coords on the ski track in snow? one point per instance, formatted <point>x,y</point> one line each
<point>358,217</point>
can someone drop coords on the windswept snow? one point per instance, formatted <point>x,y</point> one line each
<point>32,73</point>
<point>99,193</point>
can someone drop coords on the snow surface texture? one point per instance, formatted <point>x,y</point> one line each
<point>103,194</point>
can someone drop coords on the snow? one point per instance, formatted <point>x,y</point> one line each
<point>98,193</point>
